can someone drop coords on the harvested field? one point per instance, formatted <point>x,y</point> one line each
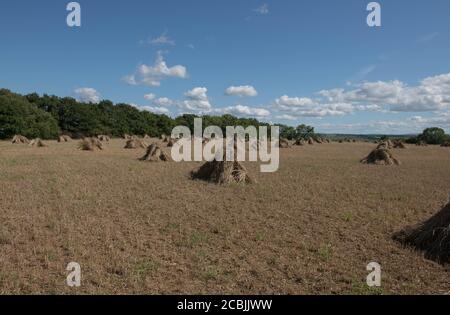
<point>310,228</point>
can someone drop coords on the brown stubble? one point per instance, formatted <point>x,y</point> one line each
<point>139,227</point>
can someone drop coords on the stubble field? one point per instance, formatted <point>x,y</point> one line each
<point>147,228</point>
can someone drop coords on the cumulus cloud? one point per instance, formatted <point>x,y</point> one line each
<point>443,120</point>
<point>152,109</point>
<point>286,117</point>
<point>149,96</point>
<point>243,90</point>
<point>163,102</point>
<point>293,102</point>
<point>197,100</point>
<point>87,95</point>
<point>432,94</point>
<point>246,111</point>
<point>156,109</point>
<point>414,124</point>
<point>152,75</point>
<point>307,107</point>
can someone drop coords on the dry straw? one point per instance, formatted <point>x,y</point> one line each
<point>18,139</point>
<point>135,144</point>
<point>64,138</point>
<point>37,143</point>
<point>104,138</point>
<point>422,143</point>
<point>223,172</point>
<point>155,154</point>
<point>90,144</point>
<point>380,156</point>
<point>431,236</point>
<point>299,142</point>
<point>399,145</point>
<point>171,142</point>
<point>284,144</point>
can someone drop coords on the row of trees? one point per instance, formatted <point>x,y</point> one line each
<point>299,132</point>
<point>47,117</point>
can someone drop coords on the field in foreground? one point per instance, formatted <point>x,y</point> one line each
<point>138,227</point>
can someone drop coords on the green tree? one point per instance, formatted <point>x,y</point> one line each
<point>433,135</point>
<point>80,119</point>
<point>18,116</point>
<point>304,132</point>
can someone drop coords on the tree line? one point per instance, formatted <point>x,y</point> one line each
<point>47,117</point>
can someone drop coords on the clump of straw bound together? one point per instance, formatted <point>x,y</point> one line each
<point>37,143</point>
<point>90,144</point>
<point>18,139</point>
<point>155,154</point>
<point>135,144</point>
<point>380,156</point>
<point>64,138</point>
<point>431,236</point>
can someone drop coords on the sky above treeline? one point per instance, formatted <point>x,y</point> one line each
<point>285,61</point>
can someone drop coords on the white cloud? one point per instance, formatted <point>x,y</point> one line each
<point>163,102</point>
<point>197,100</point>
<point>241,110</point>
<point>370,108</point>
<point>163,39</point>
<point>263,9</point>
<point>149,96</point>
<point>286,101</point>
<point>156,109</point>
<point>432,94</point>
<point>130,79</point>
<point>243,90</point>
<point>153,109</point>
<point>286,117</point>
<point>326,110</point>
<point>414,124</point>
<point>153,75</point>
<point>87,95</point>
<point>442,120</point>
<point>307,107</point>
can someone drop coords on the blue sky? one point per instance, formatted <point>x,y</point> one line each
<point>289,61</point>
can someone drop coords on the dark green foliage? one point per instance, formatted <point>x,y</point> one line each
<point>19,116</point>
<point>304,132</point>
<point>300,132</point>
<point>52,115</point>
<point>46,117</point>
<point>433,136</point>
